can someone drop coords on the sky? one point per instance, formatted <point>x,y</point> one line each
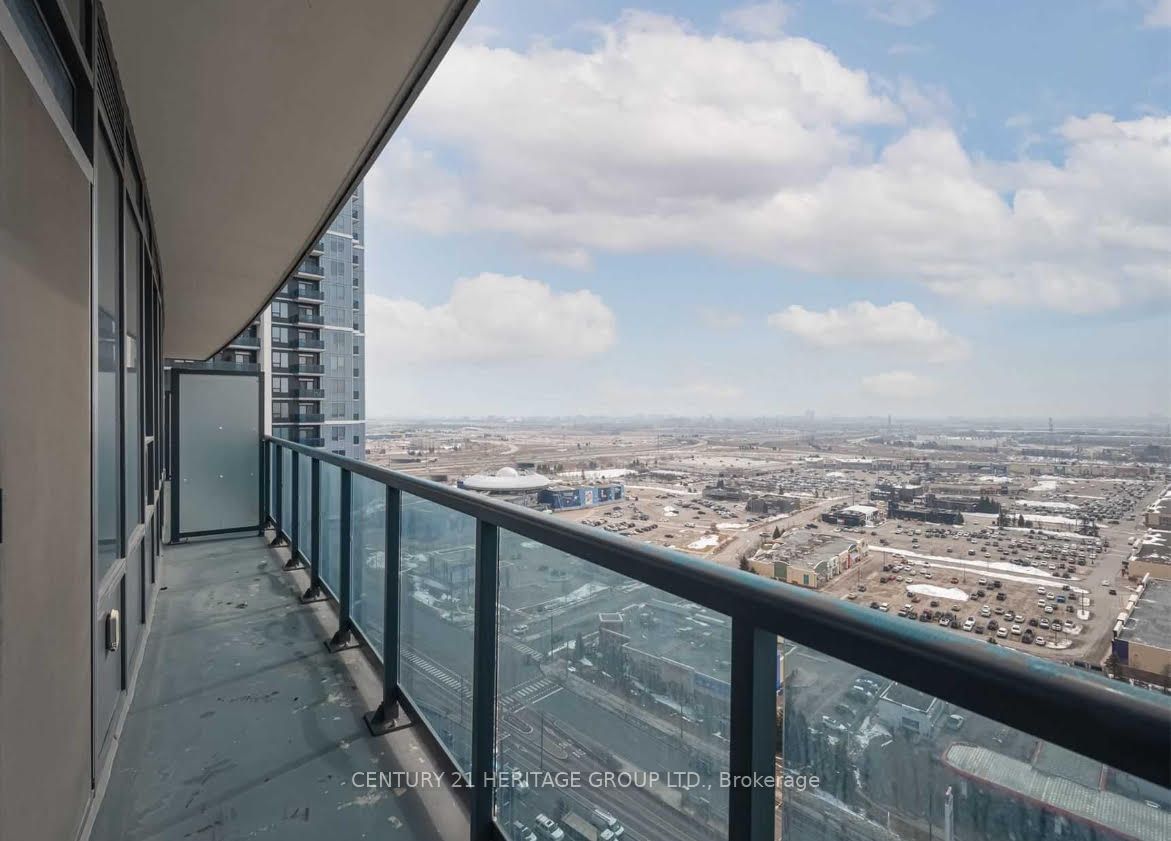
<point>854,207</point>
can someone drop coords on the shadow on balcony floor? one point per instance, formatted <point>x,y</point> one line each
<point>244,726</point>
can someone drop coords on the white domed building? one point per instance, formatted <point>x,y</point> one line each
<point>507,481</point>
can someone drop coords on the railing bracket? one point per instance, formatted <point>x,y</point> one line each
<point>293,563</point>
<point>313,594</point>
<point>343,639</point>
<point>278,540</point>
<point>382,720</point>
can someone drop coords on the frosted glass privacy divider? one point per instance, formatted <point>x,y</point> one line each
<point>216,423</point>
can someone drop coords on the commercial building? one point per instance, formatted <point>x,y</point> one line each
<point>768,504</point>
<point>854,516</point>
<point>1142,634</point>
<point>808,559</point>
<point>1151,556</point>
<point>567,497</point>
<point>1158,515</point>
<point>902,708</point>
<point>898,511</point>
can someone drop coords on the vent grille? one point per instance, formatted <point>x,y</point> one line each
<point>107,84</point>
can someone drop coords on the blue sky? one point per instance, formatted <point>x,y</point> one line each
<point>858,207</point>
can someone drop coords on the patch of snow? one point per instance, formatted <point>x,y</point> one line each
<point>935,592</point>
<point>705,542</point>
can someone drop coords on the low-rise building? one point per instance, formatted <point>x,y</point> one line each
<point>567,497</point>
<point>772,504</point>
<point>1151,556</point>
<point>900,707</point>
<point>809,559</point>
<point>1142,634</point>
<point>1158,515</point>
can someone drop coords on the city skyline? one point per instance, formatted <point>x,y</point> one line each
<point>858,208</point>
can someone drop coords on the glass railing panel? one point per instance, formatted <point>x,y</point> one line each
<point>304,504</point>
<point>621,686</point>
<point>368,547</point>
<point>890,762</point>
<point>437,596</point>
<point>286,490</point>
<point>274,453</point>
<point>329,521</point>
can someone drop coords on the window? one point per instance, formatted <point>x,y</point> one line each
<point>356,397</point>
<point>356,439</point>
<point>280,359</point>
<point>108,187</point>
<point>280,385</point>
<point>40,42</point>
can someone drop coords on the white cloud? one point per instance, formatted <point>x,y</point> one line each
<point>897,12</point>
<point>488,318</point>
<point>714,318</point>
<point>1158,15</point>
<point>898,385</point>
<point>907,48</point>
<point>899,326</point>
<point>757,19</point>
<point>658,137</point>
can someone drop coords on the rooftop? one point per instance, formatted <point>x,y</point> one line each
<point>1153,547</point>
<point>505,479</point>
<point>905,696</point>
<point>1150,621</point>
<point>1126,816</point>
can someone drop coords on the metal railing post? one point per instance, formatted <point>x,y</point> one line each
<point>382,719</point>
<point>295,515</point>
<point>484,681</point>
<point>314,592</point>
<point>344,636</point>
<point>752,731</point>
<point>279,522</point>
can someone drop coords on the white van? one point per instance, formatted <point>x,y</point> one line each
<point>604,820</point>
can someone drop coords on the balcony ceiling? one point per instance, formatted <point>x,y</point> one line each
<point>252,120</point>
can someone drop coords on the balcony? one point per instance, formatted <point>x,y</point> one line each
<point>242,720</point>
<point>305,393</point>
<point>310,269</point>
<point>301,292</point>
<point>512,643</point>
<point>299,343</point>
<point>300,417</point>
<point>245,342</point>
<point>298,318</point>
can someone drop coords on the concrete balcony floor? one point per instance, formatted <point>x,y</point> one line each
<point>243,725</point>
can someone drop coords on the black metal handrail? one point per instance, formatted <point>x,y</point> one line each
<point>1119,725</point>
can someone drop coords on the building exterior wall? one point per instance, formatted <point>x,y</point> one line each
<point>45,608</point>
<point>1137,568</point>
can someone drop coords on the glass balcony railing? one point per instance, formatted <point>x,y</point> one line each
<point>576,678</point>
<point>245,341</point>
<point>301,291</point>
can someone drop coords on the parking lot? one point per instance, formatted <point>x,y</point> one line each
<point>1027,590</point>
